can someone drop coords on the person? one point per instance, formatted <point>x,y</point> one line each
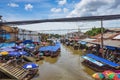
<point>100,52</point>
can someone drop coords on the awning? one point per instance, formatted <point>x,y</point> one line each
<point>110,47</point>
<point>93,61</point>
<point>105,61</point>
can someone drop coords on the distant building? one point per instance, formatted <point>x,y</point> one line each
<point>75,35</point>
<point>8,33</point>
<point>111,38</point>
<point>29,35</point>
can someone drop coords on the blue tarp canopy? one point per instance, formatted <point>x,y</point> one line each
<point>54,48</point>
<point>46,48</point>
<point>50,48</point>
<point>110,47</point>
<point>105,61</point>
<point>4,45</point>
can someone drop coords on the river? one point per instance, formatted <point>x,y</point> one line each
<point>67,66</point>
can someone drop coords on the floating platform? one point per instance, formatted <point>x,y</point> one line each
<point>16,72</point>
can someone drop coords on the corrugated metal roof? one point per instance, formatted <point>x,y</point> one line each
<point>117,37</point>
<point>88,40</point>
<point>114,43</point>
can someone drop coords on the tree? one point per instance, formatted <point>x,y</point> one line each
<point>94,31</point>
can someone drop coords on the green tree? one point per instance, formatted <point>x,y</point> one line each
<point>94,31</point>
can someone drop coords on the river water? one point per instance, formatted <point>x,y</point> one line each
<point>67,66</point>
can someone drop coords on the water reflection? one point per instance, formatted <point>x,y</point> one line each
<point>65,67</point>
<point>75,52</point>
<point>51,60</point>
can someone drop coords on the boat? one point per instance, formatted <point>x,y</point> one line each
<point>98,63</point>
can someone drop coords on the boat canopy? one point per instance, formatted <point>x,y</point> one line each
<point>105,61</point>
<point>50,48</point>
<point>111,47</point>
<point>93,61</point>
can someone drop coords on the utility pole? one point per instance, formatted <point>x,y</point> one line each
<point>102,43</point>
<point>79,32</point>
<point>0,18</point>
<point>30,35</point>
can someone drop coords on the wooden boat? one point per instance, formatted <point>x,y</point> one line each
<point>99,64</point>
<point>31,74</point>
<point>54,54</point>
<point>95,67</point>
<point>46,53</point>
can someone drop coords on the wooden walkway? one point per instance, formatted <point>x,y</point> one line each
<point>14,72</point>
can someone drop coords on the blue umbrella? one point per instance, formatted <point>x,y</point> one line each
<point>23,53</point>
<point>14,53</point>
<point>30,66</point>
<point>8,49</point>
<point>19,47</point>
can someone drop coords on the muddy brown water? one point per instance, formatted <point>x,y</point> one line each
<point>67,66</point>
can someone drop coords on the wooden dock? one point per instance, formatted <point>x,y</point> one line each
<point>14,72</point>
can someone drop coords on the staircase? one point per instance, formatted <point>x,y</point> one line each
<point>14,72</point>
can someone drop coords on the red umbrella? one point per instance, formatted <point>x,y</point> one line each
<point>116,77</point>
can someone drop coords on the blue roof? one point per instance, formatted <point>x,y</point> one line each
<point>112,64</point>
<point>50,48</point>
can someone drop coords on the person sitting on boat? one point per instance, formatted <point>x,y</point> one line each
<point>117,59</point>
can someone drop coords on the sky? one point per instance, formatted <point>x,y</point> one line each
<point>17,10</point>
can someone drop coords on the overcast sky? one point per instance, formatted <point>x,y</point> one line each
<point>15,10</point>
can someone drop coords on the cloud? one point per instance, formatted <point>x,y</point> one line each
<point>62,2</point>
<point>28,7</point>
<point>116,4</point>
<point>90,7</point>
<point>13,5</point>
<point>65,10</point>
<point>56,10</point>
